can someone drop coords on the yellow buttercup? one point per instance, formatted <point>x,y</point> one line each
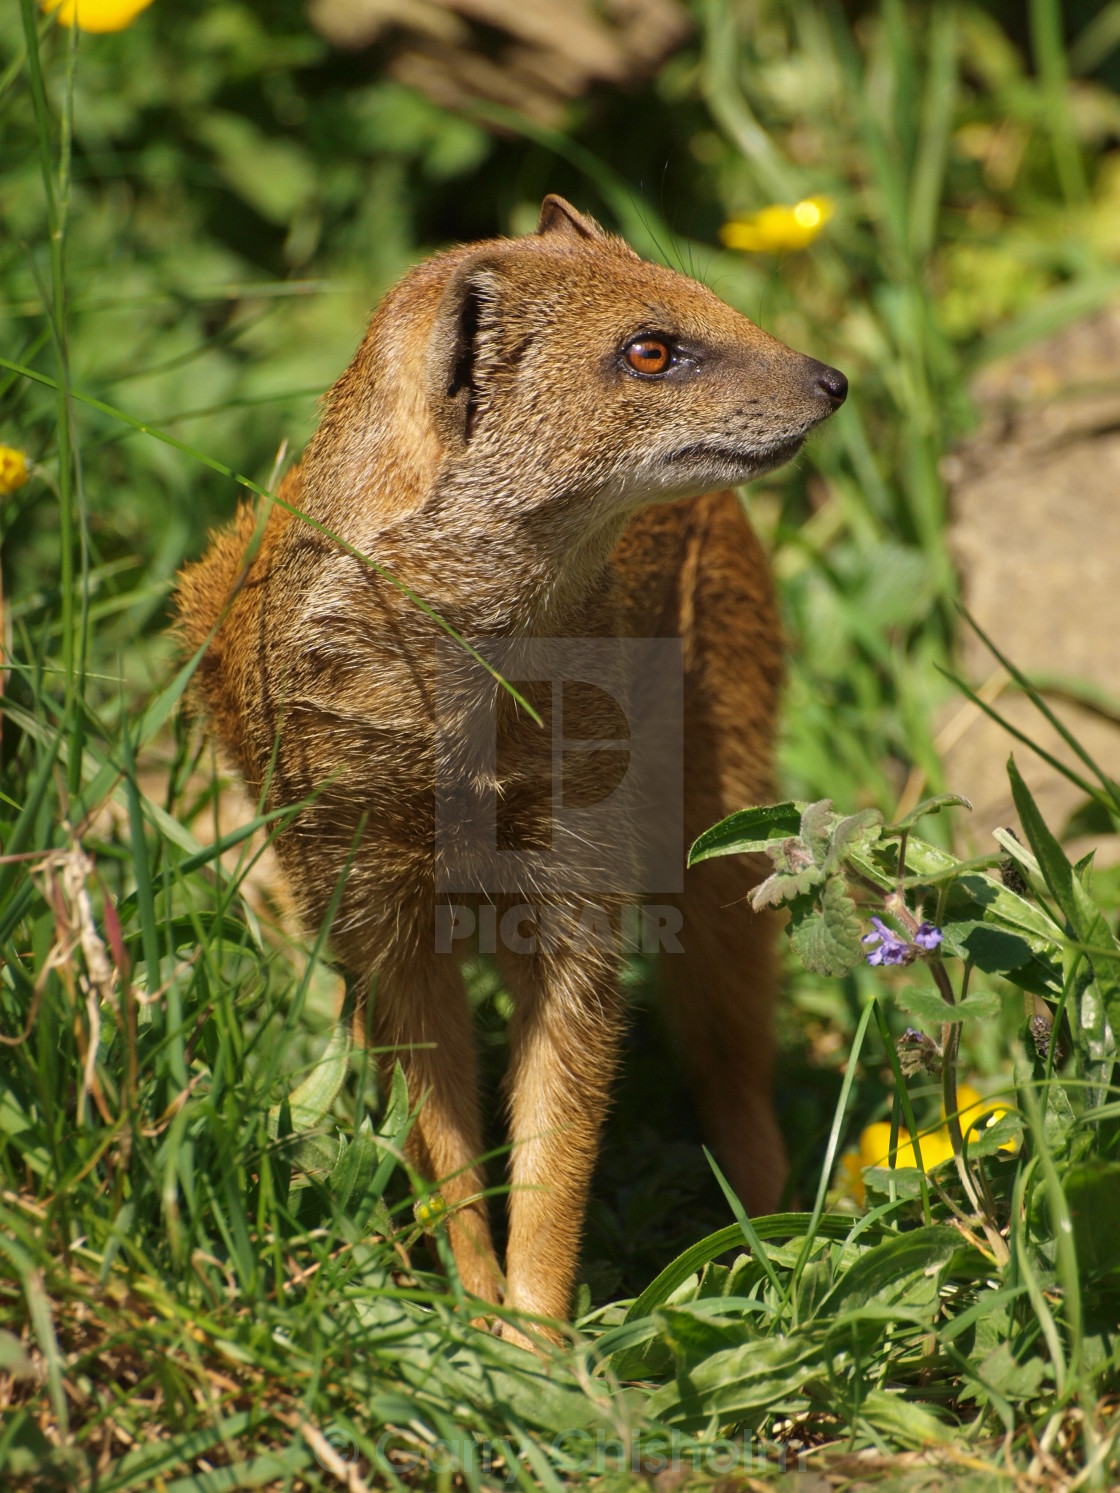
<point>13,469</point>
<point>779,228</point>
<point>95,15</point>
<point>975,1114</point>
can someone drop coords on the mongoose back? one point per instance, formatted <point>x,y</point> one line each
<point>519,445</point>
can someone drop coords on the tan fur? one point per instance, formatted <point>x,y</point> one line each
<point>490,450</point>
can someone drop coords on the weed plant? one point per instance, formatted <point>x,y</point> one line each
<point>214,1270</point>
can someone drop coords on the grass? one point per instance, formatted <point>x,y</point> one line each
<point>214,1276</point>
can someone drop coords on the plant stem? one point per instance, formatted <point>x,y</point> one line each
<point>57,317</point>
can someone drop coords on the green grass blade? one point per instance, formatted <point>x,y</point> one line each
<point>831,1149</point>
<point>754,1243</point>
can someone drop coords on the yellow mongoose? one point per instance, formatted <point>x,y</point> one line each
<point>515,408</point>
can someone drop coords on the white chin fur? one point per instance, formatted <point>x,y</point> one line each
<point>703,472</point>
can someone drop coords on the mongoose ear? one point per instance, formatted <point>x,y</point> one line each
<point>560,217</point>
<point>464,349</point>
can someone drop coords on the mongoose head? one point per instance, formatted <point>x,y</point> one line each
<point>613,379</point>
<point>561,369</point>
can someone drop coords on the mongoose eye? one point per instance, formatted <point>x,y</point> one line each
<point>648,355</point>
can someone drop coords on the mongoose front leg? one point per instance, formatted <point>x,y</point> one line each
<point>421,1019</point>
<point>564,1043</point>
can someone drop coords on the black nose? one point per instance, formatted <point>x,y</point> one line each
<point>833,385</point>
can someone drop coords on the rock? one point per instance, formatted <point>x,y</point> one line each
<point>530,55</point>
<point>1035,531</point>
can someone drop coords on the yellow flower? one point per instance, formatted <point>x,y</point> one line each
<point>779,228</point>
<point>430,1211</point>
<point>13,470</point>
<point>977,1114</point>
<point>874,1150</point>
<point>875,1142</point>
<point>95,15</point>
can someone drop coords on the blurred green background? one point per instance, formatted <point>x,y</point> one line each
<point>241,193</point>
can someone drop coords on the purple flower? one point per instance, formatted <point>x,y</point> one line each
<point>890,948</point>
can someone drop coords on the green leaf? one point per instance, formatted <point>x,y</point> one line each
<point>973,895</point>
<point>903,1181</point>
<point>1085,918</point>
<point>926,1005</point>
<point>315,1156</point>
<point>396,1116</point>
<point>1092,1190</point>
<point>901,1419</point>
<point>854,832</point>
<point>352,1180</point>
<point>1058,1120</point>
<point>835,1226</point>
<point>1015,1381</point>
<point>692,1337</point>
<point>906,1269</point>
<point>739,1380</point>
<point>310,1101</point>
<point>747,832</point>
<point>753,1242</point>
<point>826,939</point>
<point>994,950</point>
<point>1096,1041</point>
<point>985,1139</point>
<point>927,806</point>
<point>816,823</point>
<point>795,875</point>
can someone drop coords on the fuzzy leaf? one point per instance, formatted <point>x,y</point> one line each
<point>315,1155</point>
<point>826,936</point>
<point>991,949</point>
<point>855,832</point>
<point>795,874</point>
<point>791,856</point>
<point>816,828</point>
<point>926,1004</point>
<point>351,1180</point>
<point>395,1119</point>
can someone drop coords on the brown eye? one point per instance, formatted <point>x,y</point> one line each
<point>648,355</point>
